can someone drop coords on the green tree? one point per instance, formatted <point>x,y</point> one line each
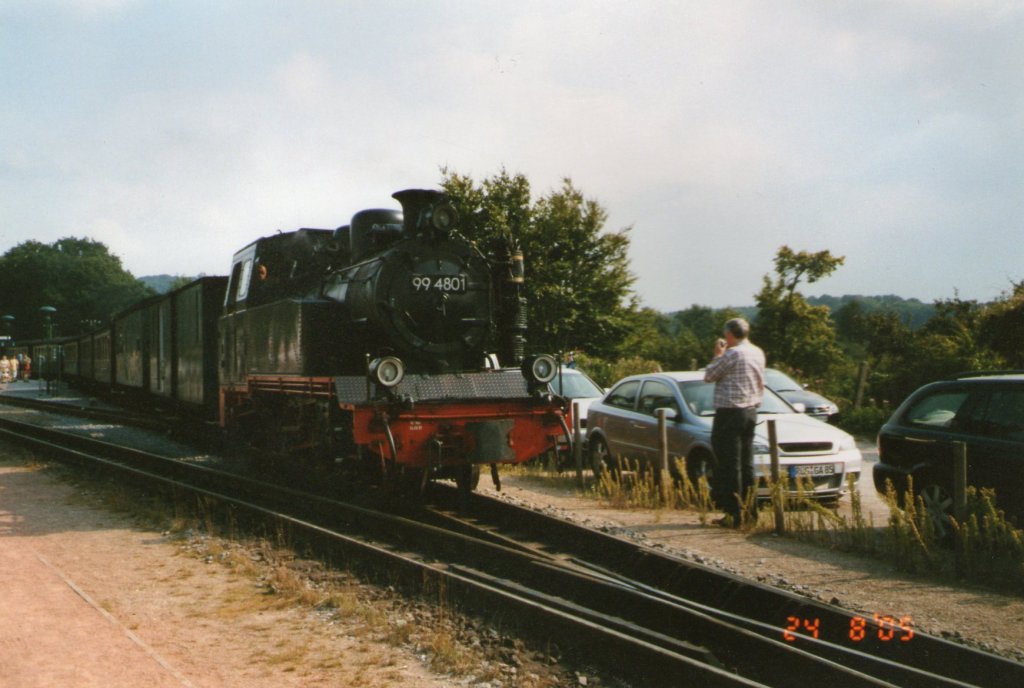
<point>792,332</point>
<point>78,277</point>
<point>948,343</point>
<point>1002,327</point>
<point>578,284</point>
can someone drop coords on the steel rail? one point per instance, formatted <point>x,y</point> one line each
<point>765,608</point>
<point>616,651</point>
<point>612,618</point>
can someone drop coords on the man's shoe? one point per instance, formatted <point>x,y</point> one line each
<point>725,522</point>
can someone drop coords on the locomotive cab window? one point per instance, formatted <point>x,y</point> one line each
<point>238,286</point>
<point>243,280</point>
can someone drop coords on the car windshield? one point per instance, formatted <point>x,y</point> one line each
<point>780,382</point>
<point>699,396</point>
<point>575,386</point>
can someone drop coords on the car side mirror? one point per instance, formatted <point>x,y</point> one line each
<point>799,407</point>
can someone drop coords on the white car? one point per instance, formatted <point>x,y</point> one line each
<point>581,391</point>
<point>623,425</point>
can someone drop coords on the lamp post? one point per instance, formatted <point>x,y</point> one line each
<point>45,369</point>
<point>8,326</point>
<point>8,342</point>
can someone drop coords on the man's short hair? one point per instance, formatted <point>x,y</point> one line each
<point>738,327</point>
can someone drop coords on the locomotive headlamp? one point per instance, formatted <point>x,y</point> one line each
<point>387,371</point>
<point>444,217</point>
<point>541,368</point>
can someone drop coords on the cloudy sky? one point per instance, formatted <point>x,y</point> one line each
<point>891,133</point>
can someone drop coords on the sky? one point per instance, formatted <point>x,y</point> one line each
<point>890,133</point>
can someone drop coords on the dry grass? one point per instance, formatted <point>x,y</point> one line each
<point>985,548</point>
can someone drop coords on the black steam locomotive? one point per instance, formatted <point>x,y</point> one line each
<point>379,340</point>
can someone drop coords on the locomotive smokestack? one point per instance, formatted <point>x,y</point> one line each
<point>426,212</point>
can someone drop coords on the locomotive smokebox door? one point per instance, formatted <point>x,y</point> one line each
<point>491,441</point>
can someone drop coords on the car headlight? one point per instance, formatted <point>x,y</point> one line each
<point>847,443</point>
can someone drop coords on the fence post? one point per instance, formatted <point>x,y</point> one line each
<point>662,443</point>
<point>862,381</point>
<point>577,448</point>
<point>960,481</point>
<point>777,495</point>
<point>960,499</point>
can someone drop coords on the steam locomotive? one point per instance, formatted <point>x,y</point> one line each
<point>378,341</point>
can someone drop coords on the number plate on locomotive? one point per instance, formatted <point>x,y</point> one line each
<point>446,284</point>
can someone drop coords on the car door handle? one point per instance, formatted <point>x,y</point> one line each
<point>920,440</point>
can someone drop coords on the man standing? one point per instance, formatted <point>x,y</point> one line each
<point>738,373</point>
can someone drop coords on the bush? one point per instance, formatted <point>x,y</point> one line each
<point>865,421</point>
<point>606,373</point>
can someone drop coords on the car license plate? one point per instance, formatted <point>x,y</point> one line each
<point>811,470</point>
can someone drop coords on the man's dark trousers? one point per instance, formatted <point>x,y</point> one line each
<point>732,439</point>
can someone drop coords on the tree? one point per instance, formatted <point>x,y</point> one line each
<point>578,283</point>
<point>78,277</point>
<point>791,331</point>
<point>1002,327</point>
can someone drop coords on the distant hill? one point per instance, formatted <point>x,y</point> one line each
<point>161,284</point>
<point>913,312</point>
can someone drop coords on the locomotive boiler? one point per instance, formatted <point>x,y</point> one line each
<point>381,340</point>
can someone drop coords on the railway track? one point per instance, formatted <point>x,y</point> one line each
<point>651,618</point>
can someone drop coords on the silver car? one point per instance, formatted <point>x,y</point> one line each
<point>623,425</point>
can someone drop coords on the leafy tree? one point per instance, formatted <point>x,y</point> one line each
<point>1002,327</point>
<point>578,283</point>
<point>78,277</point>
<point>654,336</point>
<point>948,343</point>
<point>951,341</point>
<point>791,331</point>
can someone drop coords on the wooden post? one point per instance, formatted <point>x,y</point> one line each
<point>862,382</point>
<point>777,495</point>
<point>960,501</point>
<point>960,482</point>
<point>662,443</point>
<point>577,445</point>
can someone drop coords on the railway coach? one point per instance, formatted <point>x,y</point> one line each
<point>160,352</point>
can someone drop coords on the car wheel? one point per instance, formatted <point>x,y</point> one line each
<point>600,456</point>
<point>938,502</point>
